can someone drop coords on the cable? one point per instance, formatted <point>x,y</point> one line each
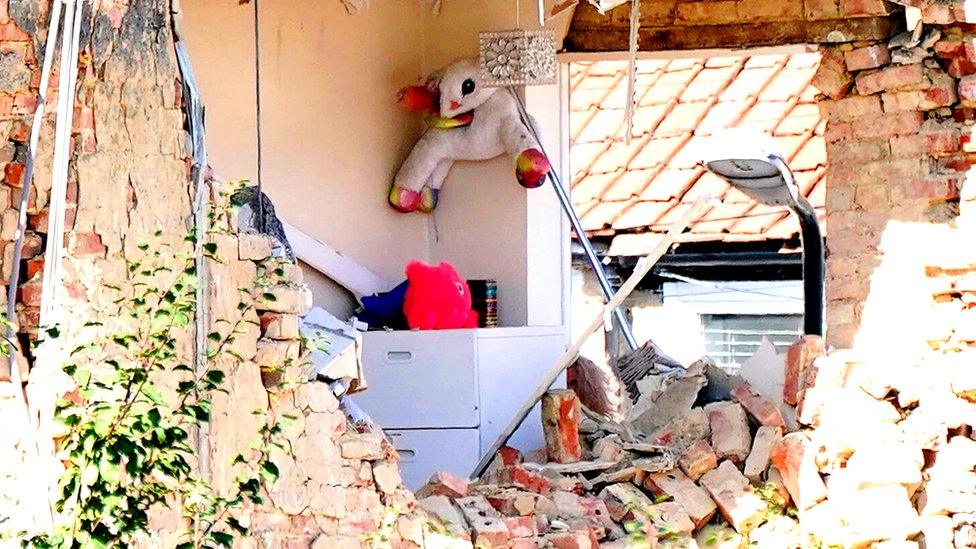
<point>52,38</point>
<point>707,284</point>
<point>257,109</point>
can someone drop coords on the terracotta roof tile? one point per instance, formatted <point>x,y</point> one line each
<point>803,119</point>
<point>583,157</point>
<point>708,83</point>
<point>638,213</point>
<point>749,84</point>
<point>683,118</point>
<point>647,118</point>
<point>601,215</point>
<point>657,152</point>
<point>789,83</point>
<point>618,155</point>
<point>646,185</point>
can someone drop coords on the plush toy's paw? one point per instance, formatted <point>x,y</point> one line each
<point>404,200</point>
<point>531,168</point>
<point>428,199</point>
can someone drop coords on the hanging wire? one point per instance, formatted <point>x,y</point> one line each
<point>632,68</point>
<point>26,184</point>
<point>257,99</point>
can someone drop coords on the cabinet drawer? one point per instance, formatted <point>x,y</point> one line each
<point>421,380</point>
<point>424,452</point>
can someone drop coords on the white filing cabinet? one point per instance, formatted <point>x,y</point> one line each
<point>443,396</point>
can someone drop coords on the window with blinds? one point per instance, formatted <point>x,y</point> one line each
<point>731,339</point>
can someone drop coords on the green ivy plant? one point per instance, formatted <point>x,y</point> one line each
<point>129,446</point>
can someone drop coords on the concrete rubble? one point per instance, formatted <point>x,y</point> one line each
<point>693,472</point>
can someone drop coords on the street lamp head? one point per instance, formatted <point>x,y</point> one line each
<point>750,162</point>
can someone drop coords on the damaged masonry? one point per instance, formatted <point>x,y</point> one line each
<point>842,452</point>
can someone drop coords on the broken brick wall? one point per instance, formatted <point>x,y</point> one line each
<point>129,177</point>
<point>899,122</point>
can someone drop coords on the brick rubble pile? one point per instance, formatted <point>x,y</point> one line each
<point>852,453</point>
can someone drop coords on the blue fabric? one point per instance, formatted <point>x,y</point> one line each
<point>385,310</point>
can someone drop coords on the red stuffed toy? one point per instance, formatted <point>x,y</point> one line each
<point>437,298</point>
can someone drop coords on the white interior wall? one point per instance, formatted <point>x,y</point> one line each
<point>333,138</point>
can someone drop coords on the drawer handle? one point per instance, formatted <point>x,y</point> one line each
<point>406,456</point>
<point>399,356</point>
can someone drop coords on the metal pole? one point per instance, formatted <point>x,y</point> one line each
<point>642,269</point>
<point>811,241</point>
<point>570,212</point>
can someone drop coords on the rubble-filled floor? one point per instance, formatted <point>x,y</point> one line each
<point>843,453</point>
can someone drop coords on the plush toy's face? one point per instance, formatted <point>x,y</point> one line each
<point>461,89</point>
<point>437,298</point>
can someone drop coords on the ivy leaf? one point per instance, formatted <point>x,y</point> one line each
<point>215,376</point>
<point>269,472</point>
<point>222,538</point>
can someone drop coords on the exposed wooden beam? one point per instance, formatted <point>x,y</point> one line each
<point>614,38</point>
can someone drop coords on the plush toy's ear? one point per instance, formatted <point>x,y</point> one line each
<point>414,269</point>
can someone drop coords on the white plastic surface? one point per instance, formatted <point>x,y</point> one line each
<point>427,451</point>
<point>421,379</point>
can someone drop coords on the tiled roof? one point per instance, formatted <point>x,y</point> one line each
<point>642,187</point>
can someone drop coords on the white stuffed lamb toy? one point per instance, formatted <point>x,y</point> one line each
<point>469,121</point>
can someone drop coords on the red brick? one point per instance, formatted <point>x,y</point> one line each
<point>870,57</point>
<point>890,78</point>
<point>509,455</point>
<point>838,131</point>
<point>85,244</point>
<point>858,151</point>
<point>967,91</point>
<point>712,12</point>
<point>764,10</point>
<point>521,527</point>
<point>945,140</point>
<point>928,99</point>
<point>963,13</point>
<point>832,77</point>
<point>13,174</point>
<point>954,48</point>
<point>932,188</point>
<point>820,9</point>
<point>32,246</point>
<point>863,8</point>
<point>570,540</point>
<point>685,492</point>
<point>938,14</point>
<point>30,293</point>
<point>870,197</point>
<point>794,460</point>
<point>698,459</point>
<point>487,527</point>
<point>23,104</point>
<point>10,32</point>
<point>6,105</point>
<point>888,125</point>
<point>958,163</point>
<point>799,361</point>
<point>851,107</point>
<point>737,501</point>
<point>560,423</point>
<point>961,67</point>
<point>763,410</point>
<point>444,484</point>
<point>34,267</point>
<point>730,430</point>
<point>20,132</point>
<point>520,477</point>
